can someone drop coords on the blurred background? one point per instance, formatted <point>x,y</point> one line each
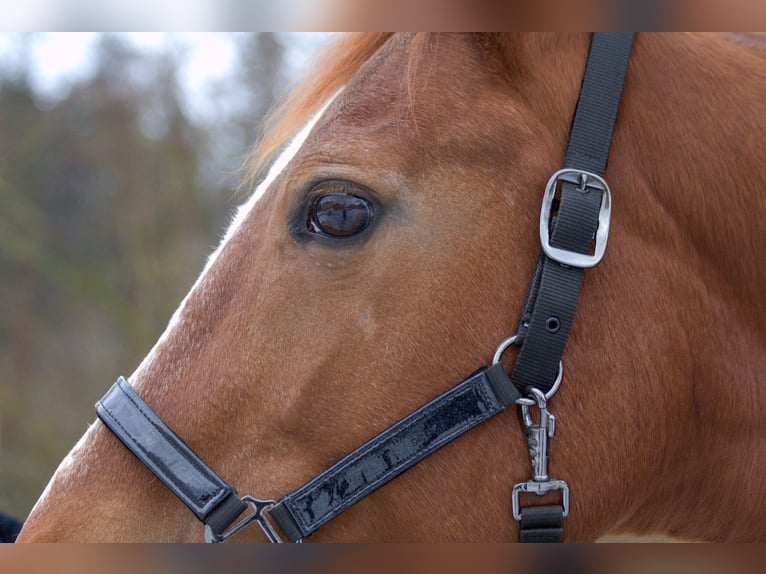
<point>119,157</point>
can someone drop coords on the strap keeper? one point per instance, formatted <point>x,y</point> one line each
<point>501,385</point>
<point>225,514</point>
<point>282,516</point>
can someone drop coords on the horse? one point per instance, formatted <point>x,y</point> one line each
<point>307,333</point>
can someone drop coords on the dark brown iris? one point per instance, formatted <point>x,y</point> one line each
<point>339,215</point>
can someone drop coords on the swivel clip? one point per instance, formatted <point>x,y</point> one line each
<point>538,439</point>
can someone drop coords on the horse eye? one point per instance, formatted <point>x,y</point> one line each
<point>339,215</point>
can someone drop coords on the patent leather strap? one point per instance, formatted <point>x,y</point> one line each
<point>171,460</point>
<point>477,399</point>
<point>300,513</point>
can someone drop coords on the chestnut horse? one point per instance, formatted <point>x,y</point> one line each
<point>295,345</point>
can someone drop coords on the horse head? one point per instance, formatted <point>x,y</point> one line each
<point>386,254</point>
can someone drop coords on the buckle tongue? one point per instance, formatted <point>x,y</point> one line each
<point>585,181</point>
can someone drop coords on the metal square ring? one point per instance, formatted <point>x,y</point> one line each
<point>540,489</point>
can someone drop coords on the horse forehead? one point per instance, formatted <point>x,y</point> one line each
<point>409,82</point>
<point>393,117</point>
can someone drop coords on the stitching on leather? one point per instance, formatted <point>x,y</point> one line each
<point>203,499</point>
<point>206,496</point>
<point>368,486</point>
<point>479,386</point>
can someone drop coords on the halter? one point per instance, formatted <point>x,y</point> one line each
<point>575,214</point>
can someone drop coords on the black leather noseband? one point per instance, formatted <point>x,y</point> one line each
<point>575,215</point>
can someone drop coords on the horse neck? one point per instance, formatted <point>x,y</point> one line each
<point>695,142</point>
<point>680,294</point>
<point>689,174</point>
<point>695,165</point>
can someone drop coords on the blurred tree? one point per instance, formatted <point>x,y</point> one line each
<point>107,213</point>
<point>264,70</point>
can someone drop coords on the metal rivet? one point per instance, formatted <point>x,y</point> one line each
<point>552,325</point>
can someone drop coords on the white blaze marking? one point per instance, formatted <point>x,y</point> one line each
<point>67,469</point>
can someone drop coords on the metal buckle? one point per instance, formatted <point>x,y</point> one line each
<point>584,180</point>
<point>258,507</point>
<point>538,439</point>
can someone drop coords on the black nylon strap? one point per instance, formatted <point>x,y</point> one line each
<point>478,398</point>
<point>549,309</point>
<point>144,434</point>
<point>542,524</point>
<point>538,361</point>
<point>593,123</point>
